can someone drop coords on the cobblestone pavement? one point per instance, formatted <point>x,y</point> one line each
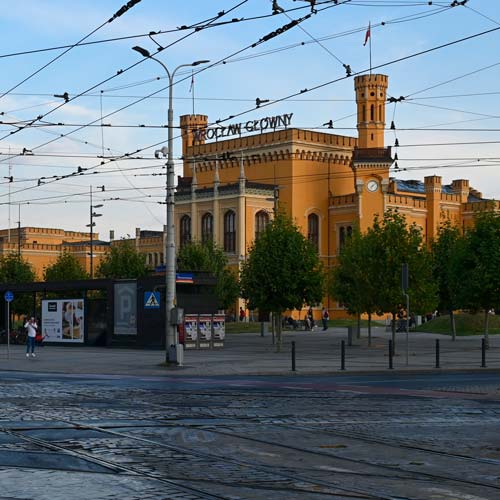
<point>96,438</point>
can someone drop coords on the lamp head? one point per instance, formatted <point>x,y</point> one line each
<point>203,61</point>
<point>143,52</point>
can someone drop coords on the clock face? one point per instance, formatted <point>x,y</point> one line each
<point>372,186</point>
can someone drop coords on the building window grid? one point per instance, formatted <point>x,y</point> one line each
<point>230,232</point>
<point>185,236</point>
<point>207,228</point>
<point>313,230</point>
<point>261,221</point>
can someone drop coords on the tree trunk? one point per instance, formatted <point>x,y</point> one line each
<point>273,331</point>
<point>358,332</point>
<point>369,329</point>
<point>486,326</point>
<point>277,329</point>
<point>393,333</point>
<point>453,326</point>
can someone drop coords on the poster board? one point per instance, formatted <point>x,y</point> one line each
<point>63,320</point>
<point>219,330</point>
<point>190,331</point>
<point>205,330</point>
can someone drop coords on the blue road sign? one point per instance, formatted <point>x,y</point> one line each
<point>8,296</point>
<point>151,300</point>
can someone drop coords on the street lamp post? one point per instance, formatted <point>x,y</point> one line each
<point>170,330</point>
<point>92,225</point>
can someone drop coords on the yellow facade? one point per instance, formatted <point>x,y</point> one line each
<point>337,181</point>
<point>42,246</point>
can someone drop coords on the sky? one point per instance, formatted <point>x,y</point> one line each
<point>442,59</point>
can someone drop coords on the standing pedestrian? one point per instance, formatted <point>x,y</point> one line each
<point>325,317</point>
<point>31,326</point>
<point>242,314</point>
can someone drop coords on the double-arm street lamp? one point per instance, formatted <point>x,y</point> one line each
<point>92,225</point>
<point>170,330</point>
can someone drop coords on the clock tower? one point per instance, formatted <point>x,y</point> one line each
<point>371,159</point>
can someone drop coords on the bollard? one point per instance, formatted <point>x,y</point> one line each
<point>437,353</point>
<point>293,355</point>
<point>483,353</point>
<point>342,355</point>
<point>390,354</point>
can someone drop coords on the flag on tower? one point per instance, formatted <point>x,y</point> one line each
<point>368,34</point>
<point>192,83</point>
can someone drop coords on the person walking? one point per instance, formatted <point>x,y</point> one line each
<point>242,314</point>
<point>324,318</point>
<point>31,326</point>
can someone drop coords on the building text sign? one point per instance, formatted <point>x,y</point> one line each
<point>261,125</point>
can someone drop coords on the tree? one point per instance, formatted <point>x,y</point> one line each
<point>14,269</point>
<point>395,243</point>
<point>283,271</point>
<point>480,261</point>
<point>446,252</point>
<point>66,267</point>
<point>352,281</point>
<point>123,261</point>
<point>208,257</point>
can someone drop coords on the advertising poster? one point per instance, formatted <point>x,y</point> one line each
<point>63,320</point>
<point>205,328</point>
<point>219,327</point>
<point>191,327</point>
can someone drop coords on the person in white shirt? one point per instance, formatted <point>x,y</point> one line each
<point>31,326</point>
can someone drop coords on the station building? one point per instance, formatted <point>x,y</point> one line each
<point>327,183</point>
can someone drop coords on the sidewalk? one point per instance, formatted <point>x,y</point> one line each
<point>317,352</point>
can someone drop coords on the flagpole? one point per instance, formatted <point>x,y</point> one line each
<point>370,41</point>
<point>192,87</point>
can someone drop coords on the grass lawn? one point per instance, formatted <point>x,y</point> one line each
<point>242,327</point>
<point>466,324</point>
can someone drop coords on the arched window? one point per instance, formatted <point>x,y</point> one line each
<point>185,230</point>
<point>207,228</point>
<point>341,237</point>
<point>364,113</point>
<point>349,231</point>
<point>261,221</point>
<point>313,230</point>
<point>372,112</point>
<point>230,231</point>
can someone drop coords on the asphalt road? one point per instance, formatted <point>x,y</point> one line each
<point>285,437</point>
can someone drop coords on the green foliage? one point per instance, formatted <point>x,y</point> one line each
<point>66,267</point>
<point>283,270</point>
<point>479,261</point>
<point>395,243</point>
<point>446,252</point>
<point>123,261</point>
<point>14,269</point>
<point>207,257</point>
<point>353,279</point>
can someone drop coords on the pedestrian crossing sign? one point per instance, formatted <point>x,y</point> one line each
<point>151,300</point>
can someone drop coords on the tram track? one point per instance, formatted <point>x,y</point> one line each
<point>231,405</point>
<point>350,492</point>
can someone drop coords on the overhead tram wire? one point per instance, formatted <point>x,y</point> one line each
<point>263,39</point>
<point>148,96</point>
<point>116,15</point>
<point>284,180</point>
<point>345,77</point>
<point>197,26</point>
<point>110,78</point>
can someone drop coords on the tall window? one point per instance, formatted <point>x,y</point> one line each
<point>207,228</point>
<point>230,231</point>
<point>261,221</point>
<point>313,230</point>
<point>185,230</point>
<point>344,232</point>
